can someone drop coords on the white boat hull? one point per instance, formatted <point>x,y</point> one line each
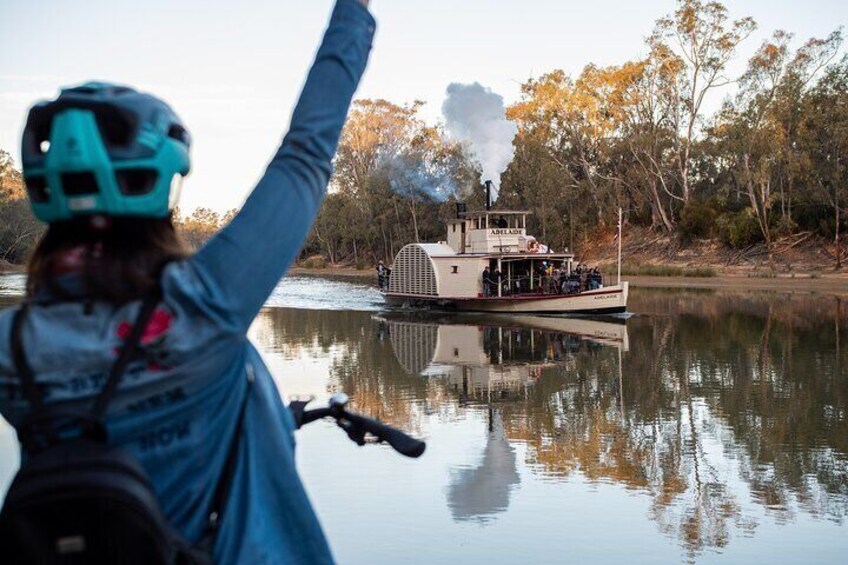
<point>606,300</point>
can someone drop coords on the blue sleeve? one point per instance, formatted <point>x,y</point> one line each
<point>242,264</point>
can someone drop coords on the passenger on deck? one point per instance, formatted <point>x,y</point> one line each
<point>550,287</point>
<point>573,283</point>
<point>595,279</point>
<point>382,276</point>
<point>487,282</point>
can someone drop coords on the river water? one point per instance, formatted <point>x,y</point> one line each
<point>710,427</point>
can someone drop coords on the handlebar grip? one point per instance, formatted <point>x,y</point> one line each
<point>402,443</point>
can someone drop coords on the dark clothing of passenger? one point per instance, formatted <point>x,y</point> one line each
<point>382,276</point>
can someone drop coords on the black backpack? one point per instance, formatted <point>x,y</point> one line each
<point>80,500</point>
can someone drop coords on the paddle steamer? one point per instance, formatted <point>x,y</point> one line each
<point>448,275</point>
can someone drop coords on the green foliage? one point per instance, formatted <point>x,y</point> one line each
<point>740,229</point>
<point>316,262</point>
<point>697,220</point>
<point>701,272</point>
<point>784,225</point>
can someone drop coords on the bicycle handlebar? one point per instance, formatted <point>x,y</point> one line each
<point>357,425</point>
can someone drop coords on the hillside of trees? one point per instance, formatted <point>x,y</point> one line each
<point>767,165</point>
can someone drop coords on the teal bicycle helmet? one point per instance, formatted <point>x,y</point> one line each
<point>103,149</point>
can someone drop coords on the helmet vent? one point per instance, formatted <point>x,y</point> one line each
<point>179,133</point>
<point>77,184</point>
<point>115,128</point>
<point>37,188</point>
<point>136,182</point>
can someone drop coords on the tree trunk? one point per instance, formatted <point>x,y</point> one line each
<point>836,237</point>
<point>659,208</point>
<point>386,256</point>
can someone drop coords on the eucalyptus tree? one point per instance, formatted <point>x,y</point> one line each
<point>825,142</point>
<point>704,40</point>
<point>760,128</point>
<point>19,230</point>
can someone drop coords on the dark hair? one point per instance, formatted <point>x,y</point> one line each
<point>120,257</point>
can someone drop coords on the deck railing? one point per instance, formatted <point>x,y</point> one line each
<point>548,285</point>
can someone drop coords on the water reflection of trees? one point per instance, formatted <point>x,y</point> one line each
<point>722,402</point>
<point>362,360</point>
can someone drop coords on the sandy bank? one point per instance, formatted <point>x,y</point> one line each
<point>832,284</point>
<point>826,284</point>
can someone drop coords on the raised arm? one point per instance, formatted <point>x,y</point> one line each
<point>242,264</point>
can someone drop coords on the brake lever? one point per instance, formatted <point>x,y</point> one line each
<point>337,408</point>
<point>297,409</point>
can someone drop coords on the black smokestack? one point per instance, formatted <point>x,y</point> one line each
<point>460,210</point>
<point>488,195</point>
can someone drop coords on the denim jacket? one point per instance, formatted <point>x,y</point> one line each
<point>178,403</point>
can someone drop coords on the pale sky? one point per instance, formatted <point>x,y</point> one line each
<point>233,70</point>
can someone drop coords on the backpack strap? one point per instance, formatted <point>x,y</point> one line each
<point>30,427</point>
<point>128,351</point>
<point>28,384</point>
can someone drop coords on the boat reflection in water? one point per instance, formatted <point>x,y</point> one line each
<point>491,360</point>
<point>487,357</point>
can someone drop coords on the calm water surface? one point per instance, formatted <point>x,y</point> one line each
<point>712,427</point>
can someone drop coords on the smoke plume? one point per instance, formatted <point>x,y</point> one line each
<point>413,176</point>
<point>475,116</point>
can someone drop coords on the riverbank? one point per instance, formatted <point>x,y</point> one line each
<point>833,283</point>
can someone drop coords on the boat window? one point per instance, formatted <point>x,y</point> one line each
<point>454,269</point>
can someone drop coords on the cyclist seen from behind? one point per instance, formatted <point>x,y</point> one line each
<point>195,403</point>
